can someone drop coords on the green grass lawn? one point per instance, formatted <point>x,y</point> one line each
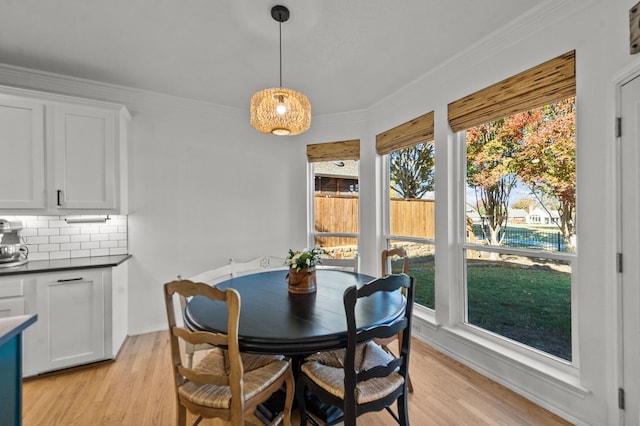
<point>529,304</point>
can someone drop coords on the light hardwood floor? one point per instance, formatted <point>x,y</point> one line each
<point>137,390</point>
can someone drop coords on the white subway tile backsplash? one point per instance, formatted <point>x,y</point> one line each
<point>100,252</point>
<point>90,245</point>
<point>71,230</point>
<point>108,244</point>
<point>38,256</point>
<point>51,237</point>
<point>60,255</point>
<point>48,247</point>
<point>36,223</point>
<point>35,240</point>
<point>29,232</point>
<point>81,253</point>
<point>70,246</point>
<point>57,223</point>
<point>48,231</point>
<point>80,238</point>
<point>59,239</point>
<point>89,229</point>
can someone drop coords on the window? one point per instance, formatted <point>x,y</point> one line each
<point>334,210</point>
<point>409,154</point>
<point>519,246</point>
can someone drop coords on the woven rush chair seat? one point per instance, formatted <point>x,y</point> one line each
<point>327,370</point>
<point>260,371</point>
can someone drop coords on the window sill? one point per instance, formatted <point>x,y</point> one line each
<point>565,378</point>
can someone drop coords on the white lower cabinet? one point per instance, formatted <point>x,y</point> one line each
<point>74,323</point>
<point>72,306</point>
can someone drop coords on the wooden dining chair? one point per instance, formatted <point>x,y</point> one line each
<point>387,257</point>
<point>211,277</point>
<point>226,383</point>
<point>363,377</point>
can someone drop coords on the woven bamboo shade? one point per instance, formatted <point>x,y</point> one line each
<point>413,132</point>
<point>333,151</point>
<point>280,111</point>
<point>551,81</point>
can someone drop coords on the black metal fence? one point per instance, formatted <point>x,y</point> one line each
<point>524,237</point>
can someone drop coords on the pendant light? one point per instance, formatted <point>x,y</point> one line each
<point>280,111</point>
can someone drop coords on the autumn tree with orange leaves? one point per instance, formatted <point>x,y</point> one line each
<point>536,148</point>
<point>546,162</point>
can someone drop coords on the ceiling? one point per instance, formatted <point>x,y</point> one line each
<point>344,55</point>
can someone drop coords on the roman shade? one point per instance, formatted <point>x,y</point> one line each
<point>551,81</point>
<point>413,132</point>
<point>333,151</point>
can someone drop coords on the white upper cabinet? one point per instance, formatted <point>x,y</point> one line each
<point>62,155</point>
<point>22,146</point>
<point>84,152</point>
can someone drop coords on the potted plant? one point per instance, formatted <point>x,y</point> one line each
<point>302,270</point>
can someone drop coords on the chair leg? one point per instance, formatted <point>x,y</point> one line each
<point>181,415</point>
<point>300,400</point>
<point>288,401</point>
<point>403,410</point>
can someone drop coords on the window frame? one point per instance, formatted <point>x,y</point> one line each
<point>329,151</point>
<point>459,316</point>
<point>387,236</point>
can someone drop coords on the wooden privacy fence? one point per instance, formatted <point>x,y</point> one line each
<point>412,217</point>
<point>339,214</point>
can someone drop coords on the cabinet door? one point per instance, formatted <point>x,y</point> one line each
<point>85,150</point>
<point>22,172</point>
<point>72,307</point>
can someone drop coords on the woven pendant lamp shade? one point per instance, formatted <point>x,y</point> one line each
<point>280,111</point>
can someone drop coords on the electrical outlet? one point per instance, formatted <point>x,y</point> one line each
<point>416,328</point>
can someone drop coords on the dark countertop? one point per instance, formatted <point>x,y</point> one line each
<point>37,266</point>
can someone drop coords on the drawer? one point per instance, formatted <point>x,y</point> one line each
<point>11,307</point>
<point>11,287</point>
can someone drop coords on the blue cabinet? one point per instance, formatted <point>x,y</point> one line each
<point>11,366</point>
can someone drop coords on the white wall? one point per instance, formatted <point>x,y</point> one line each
<point>204,186</point>
<point>598,31</point>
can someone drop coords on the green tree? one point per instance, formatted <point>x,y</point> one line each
<point>412,170</point>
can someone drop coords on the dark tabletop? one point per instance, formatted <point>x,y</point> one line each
<point>274,321</point>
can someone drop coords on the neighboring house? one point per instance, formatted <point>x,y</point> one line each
<point>539,216</point>
<point>336,177</point>
<point>517,216</point>
<point>473,214</point>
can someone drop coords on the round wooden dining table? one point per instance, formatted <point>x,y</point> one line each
<point>274,321</point>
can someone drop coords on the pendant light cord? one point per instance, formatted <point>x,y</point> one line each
<point>280,27</point>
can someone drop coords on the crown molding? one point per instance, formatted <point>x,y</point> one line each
<point>31,79</point>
